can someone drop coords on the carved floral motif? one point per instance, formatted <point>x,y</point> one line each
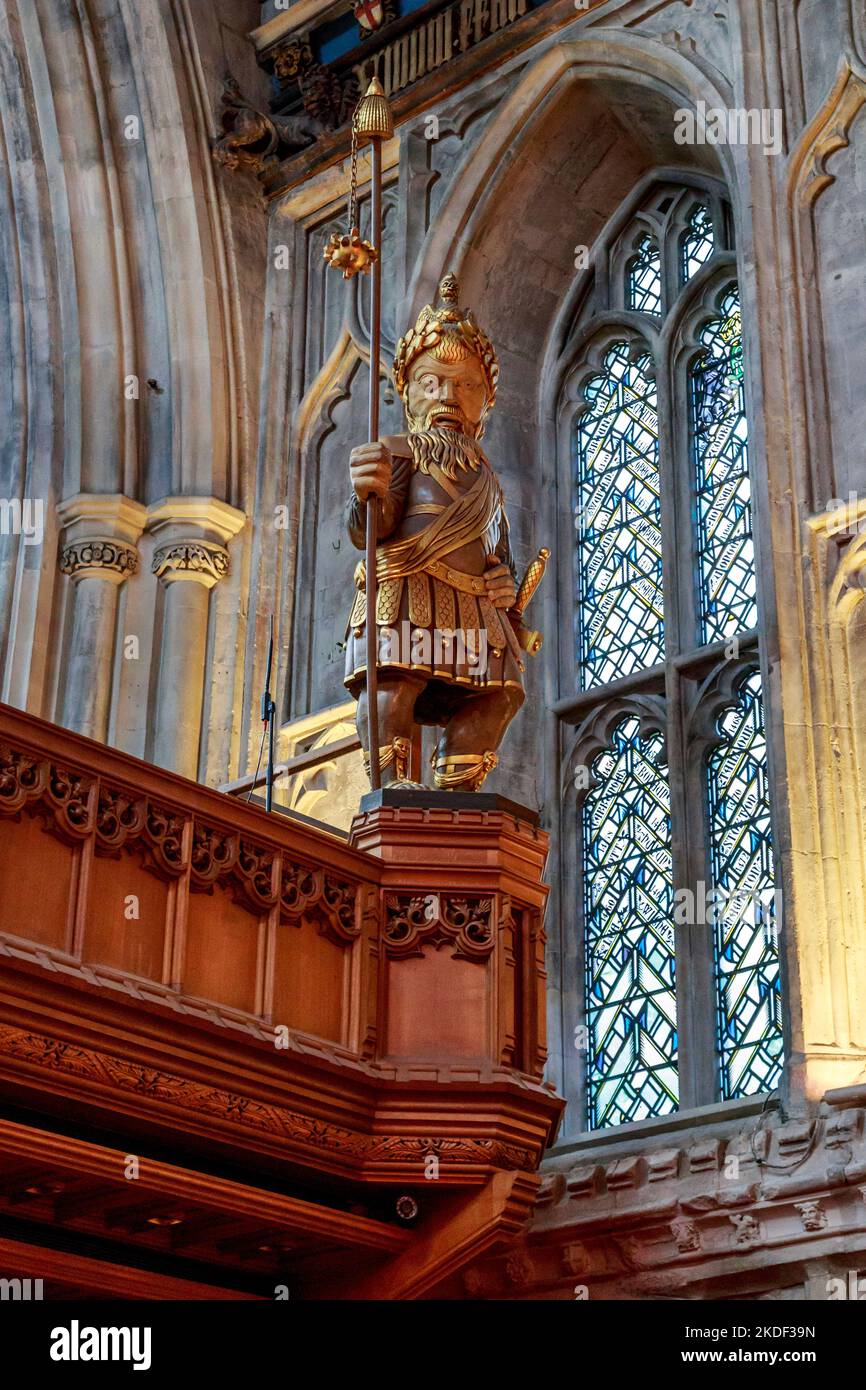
<point>413,922</point>
<point>115,557</point>
<point>202,559</point>
<point>254,874</point>
<point>119,817</point>
<point>62,796</point>
<point>339,902</point>
<point>300,888</point>
<point>304,889</point>
<point>214,852</point>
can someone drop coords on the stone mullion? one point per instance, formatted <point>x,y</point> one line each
<point>695,939</point>
<point>696,1064</point>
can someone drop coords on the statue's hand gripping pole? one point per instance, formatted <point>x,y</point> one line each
<point>372,121</point>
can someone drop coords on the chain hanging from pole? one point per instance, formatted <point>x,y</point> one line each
<point>349,252</point>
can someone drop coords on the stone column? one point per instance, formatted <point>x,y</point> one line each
<point>98,552</point>
<point>190,557</point>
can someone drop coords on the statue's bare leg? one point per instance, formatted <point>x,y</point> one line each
<point>466,751</point>
<point>396,704</point>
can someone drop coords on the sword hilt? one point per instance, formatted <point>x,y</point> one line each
<point>531,581</point>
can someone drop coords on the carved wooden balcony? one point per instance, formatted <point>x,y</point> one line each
<point>355,1019</point>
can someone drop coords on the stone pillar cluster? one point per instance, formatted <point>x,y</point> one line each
<point>99,552</point>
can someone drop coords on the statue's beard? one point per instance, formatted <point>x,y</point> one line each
<point>448,449</point>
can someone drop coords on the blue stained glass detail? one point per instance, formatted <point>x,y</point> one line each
<point>727,592</point>
<point>619,617</point>
<point>644,279</point>
<point>697,244</point>
<point>628,899</point>
<point>745,913</point>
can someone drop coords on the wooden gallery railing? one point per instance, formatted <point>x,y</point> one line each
<point>167,947</point>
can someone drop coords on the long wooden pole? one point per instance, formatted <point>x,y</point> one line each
<point>372,435</point>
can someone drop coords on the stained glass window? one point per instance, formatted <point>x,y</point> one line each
<point>620,622</point>
<point>644,279</point>
<point>628,892</point>
<point>690,825</point>
<point>697,243</point>
<point>746,916</point>
<point>720,432</point>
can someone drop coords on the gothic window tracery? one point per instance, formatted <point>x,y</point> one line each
<point>672,836</point>
<point>644,284</point>
<point>697,242</point>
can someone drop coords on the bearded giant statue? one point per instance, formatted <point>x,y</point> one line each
<point>450,634</point>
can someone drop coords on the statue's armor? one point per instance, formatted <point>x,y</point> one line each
<point>437,534</point>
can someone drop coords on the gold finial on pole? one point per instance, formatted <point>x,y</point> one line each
<point>373,115</point>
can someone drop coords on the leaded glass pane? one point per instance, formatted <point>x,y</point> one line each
<point>720,434</point>
<point>744,909</point>
<point>628,900</point>
<point>619,617</point>
<point>644,279</point>
<point>697,244</point>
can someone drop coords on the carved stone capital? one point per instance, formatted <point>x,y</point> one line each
<point>99,557</point>
<point>100,534</point>
<point>191,536</point>
<point>201,561</point>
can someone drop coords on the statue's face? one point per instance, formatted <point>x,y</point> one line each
<point>442,395</point>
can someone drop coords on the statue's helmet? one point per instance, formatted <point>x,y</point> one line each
<point>450,334</point>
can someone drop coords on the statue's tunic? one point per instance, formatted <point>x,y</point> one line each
<point>438,532</point>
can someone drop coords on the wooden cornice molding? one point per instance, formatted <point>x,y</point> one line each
<point>121,1084</point>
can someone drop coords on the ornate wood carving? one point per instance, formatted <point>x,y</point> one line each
<point>413,922</point>
<point>300,888</point>
<point>214,853</point>
<point>119,817</point>
<point>338,901</point>
<point>63,797</point>
<point>303,889</point>
<point>164,831</point>
<point>126,822</point>
<point>255,875</point>
<point>150,1083</point>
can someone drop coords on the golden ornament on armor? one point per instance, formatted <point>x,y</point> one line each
<point>350,253</point>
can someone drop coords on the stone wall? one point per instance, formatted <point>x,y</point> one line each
<point>139,257</point>
<point>133,292</point>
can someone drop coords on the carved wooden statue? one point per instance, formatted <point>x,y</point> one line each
<point>451,640</point>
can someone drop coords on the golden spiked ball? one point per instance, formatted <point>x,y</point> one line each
<point>350,254</point>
